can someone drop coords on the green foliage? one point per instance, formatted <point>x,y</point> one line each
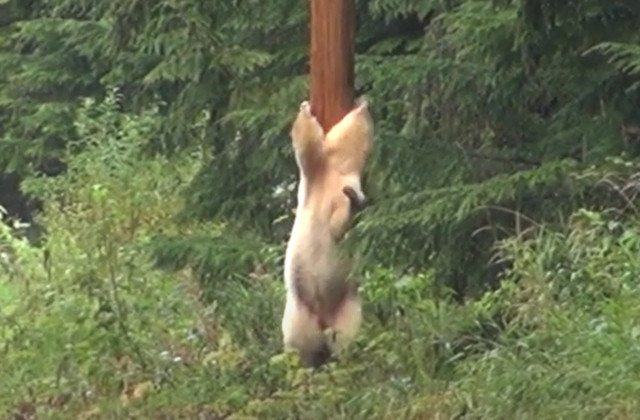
<point>85,296</point>
<point>463,92</point>
<point>99,332</point>
<point>565,350</point>
<point>497,262</point>
<point>94,330</point>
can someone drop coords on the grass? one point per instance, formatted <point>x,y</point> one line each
<point>100,332</point>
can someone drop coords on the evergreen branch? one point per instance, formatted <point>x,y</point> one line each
<point>494,158</point>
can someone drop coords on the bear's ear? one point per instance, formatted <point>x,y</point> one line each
<point>307,137</point>
<point>348,144</point>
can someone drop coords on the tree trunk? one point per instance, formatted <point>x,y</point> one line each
<point>332,30</point>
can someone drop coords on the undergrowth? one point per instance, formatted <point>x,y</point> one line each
<point>91,328</point>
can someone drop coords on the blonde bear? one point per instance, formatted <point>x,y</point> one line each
<point>320,295</point>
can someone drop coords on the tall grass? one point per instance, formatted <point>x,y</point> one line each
<point>90,328</point>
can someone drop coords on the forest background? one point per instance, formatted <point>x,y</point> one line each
<point>144,149</point>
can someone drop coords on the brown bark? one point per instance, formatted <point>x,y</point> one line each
<point>332,30</point>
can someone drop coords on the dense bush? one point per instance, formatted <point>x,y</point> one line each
<point>91,329</point>
<point>498,263</point>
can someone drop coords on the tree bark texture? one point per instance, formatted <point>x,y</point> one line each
<point>332,60</point>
